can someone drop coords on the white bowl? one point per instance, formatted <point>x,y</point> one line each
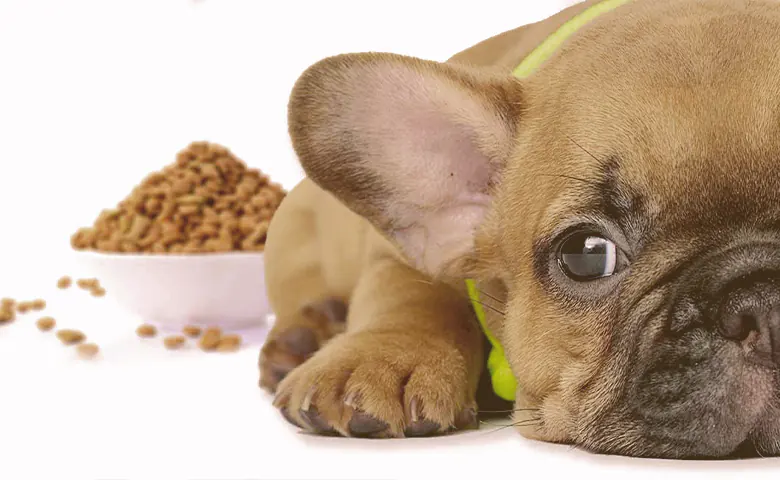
<point>219,289</point>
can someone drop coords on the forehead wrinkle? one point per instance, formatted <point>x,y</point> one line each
<point>614,198</point>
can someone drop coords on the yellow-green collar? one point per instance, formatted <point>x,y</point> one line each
<point>502,378</point>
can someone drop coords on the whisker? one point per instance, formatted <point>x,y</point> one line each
<point>493,298</point>
<point>527,422</point>
<point>583,149</point>
<point>495,430</point>
<point>491,308</point>
<point>530,423</point>
<point>494,309</point>
<point>532,419</point>
<point>510,411</point>
<point>589,182</point>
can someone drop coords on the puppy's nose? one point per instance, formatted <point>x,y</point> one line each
<point>750,314</point>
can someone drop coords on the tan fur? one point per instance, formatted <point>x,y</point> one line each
<point>622,84</point>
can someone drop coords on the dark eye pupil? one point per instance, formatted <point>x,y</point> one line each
<point>587,257</point>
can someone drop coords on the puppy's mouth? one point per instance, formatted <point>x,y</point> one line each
<point>707,397</point>
<point>709,386</point>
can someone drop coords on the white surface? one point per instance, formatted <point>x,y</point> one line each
<point>225,290</point>
<point>94,95</point>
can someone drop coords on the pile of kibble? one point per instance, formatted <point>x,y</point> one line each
<point>210,339</point>
<point>207,201</point>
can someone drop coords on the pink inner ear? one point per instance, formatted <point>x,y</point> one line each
<point>423,140</point>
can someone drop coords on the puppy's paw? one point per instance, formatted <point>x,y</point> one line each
<point>381,385</point>
<point>293,340</point>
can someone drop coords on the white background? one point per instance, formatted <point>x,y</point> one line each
<point>94,95</point>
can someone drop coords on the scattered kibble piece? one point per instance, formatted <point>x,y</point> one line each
<point>45,324</point>
<point>87,283</point>
<point>7,310</point>
<point>206,201</point>
<point>38,304</point>
<point>192,331</point>
<point>229,343</point>
<point>24,307</point>
<point>210,338</point>
<point>87,350</point>
<point>64,282</point>
<point>146,331</point>
<point>98,292</point>
<point>71,337</point>
<point>7,316</point>
<point>174,342</point>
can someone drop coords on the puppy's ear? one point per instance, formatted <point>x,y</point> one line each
<point>412,145</point>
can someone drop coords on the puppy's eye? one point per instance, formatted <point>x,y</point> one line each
<point>584,257</point>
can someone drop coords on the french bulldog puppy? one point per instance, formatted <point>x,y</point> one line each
<point>619,209</point>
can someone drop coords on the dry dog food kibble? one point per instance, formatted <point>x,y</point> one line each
<point>7,310</point>
<point>191,331</point>
<point>210,338</point>
<point>92,285</point>
<point>64,282</point>
<point>45,324</point>
<point>229,343</point>
<point>87,283</point>
<point>38,304</point>
<point>23,307</point>
<point>206,201</point>
<point>174,342</point>
<point>87,350</point>
<point>71,337</point>
<point>146,331</point>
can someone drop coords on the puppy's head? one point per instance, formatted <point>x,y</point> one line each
<point>626,196</point>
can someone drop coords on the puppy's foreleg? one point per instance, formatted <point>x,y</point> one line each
<point>408,364</point>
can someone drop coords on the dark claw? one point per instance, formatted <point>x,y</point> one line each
<point>421,428</point>
<point>316,422</point>
<point>365,425</point>
<point>287,417</point>
<point>300,341</point>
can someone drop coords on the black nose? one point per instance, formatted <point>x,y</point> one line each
<point>750,314</point>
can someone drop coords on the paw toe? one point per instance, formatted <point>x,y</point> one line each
<point>422,428</point>
<point>318,424</point>
<point>300,341</point>
<point>286,414</point>
<point>365,425</point>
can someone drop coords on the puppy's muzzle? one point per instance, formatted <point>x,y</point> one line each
<point>710,384</point>
<point>750,315</point>
<point>736,294</point>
